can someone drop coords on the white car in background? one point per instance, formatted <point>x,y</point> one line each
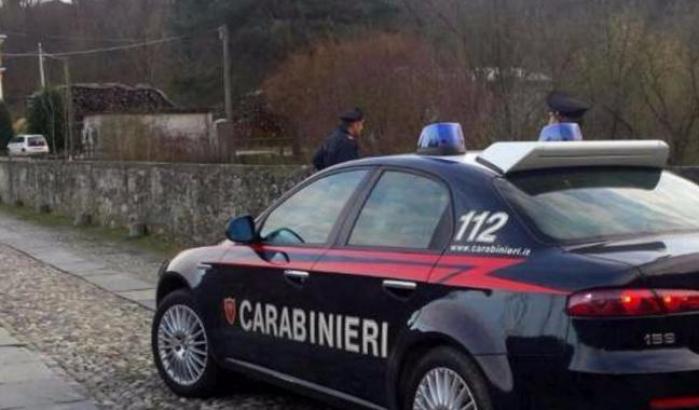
<point>27,145</point>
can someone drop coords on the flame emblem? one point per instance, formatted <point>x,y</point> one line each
<point>229,308</point>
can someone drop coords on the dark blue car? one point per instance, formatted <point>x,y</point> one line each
<point>527,276</point>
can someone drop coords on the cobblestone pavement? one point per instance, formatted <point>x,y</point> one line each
<point>102,340</point>
<point>28,383</point>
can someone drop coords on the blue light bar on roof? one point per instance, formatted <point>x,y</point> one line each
<point>566,131</point>
<point>442,139</point>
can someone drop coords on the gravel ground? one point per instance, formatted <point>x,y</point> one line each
<point>102,341</point>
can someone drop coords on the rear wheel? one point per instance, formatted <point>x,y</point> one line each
<point>181,349</point>
<point>445,379</point>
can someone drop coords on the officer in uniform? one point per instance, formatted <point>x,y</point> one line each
<point>565,116</point>
<point>341,146</point>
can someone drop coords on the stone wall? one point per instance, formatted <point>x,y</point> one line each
<point>190,202</point>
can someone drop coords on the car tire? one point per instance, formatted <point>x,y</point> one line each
<point>458,373</point>
<point>183,358</point>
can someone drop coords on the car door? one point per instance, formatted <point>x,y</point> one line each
<point>263,294</point>
<point>374,279</point>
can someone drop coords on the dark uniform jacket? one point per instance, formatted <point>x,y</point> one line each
<point>339,147</point>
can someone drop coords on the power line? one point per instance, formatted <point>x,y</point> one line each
<point>106,49</point>
<point>19,55</point>
<point>119,48</point>
<point>69,38</point>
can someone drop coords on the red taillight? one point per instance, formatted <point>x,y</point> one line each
<point>632,302</point>
<point>676,301</point>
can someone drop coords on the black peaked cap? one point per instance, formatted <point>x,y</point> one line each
<point>567,105</point>
<point>352,116</point>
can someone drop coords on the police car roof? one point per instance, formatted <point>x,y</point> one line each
<point>441,165</point>
<point>507,157</point>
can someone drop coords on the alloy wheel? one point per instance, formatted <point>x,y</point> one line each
<point>182,345</point>
<point>443,389</point>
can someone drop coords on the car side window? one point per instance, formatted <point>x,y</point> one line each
<point>36,142</point>
<point>403,211</point>
<point>309,215</point>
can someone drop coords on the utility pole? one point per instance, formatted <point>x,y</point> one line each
<point>224,35</point>
<point>42,71</point>
<point>2,69</point>
<point>69,106</point>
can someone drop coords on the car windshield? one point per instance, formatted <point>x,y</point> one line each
<point>578,205</point>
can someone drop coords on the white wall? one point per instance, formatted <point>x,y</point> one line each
<point>98,129</point>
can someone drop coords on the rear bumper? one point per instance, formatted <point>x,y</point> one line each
<point>27,153</point>
<point>546,386</point>
<point>636,391</point>
<point>35,151</point>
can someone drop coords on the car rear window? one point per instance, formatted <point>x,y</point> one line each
<point>577,205</point>
<point>36,142</point>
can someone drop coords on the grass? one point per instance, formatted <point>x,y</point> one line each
<point>157,244</point>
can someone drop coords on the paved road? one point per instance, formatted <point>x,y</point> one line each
<point>84,304</point>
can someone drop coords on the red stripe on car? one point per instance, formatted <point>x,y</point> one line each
<point>476,272</point>
<point>450,270</point>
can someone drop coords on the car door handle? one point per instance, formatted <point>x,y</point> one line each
<point>297,277</point>
<point>399,288</point>
<point>399,284</point>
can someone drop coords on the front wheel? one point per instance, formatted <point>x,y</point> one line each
<point>181,349</point>
<point>446,379</point>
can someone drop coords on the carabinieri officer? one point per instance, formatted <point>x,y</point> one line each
<point>565,116</point>
<point>341,146</point>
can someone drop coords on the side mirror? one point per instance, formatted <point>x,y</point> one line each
<point>242,230</point>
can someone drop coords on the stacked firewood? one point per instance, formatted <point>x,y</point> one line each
<point>118,98</point>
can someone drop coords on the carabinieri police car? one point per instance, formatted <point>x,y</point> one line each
<point>527,276</point>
